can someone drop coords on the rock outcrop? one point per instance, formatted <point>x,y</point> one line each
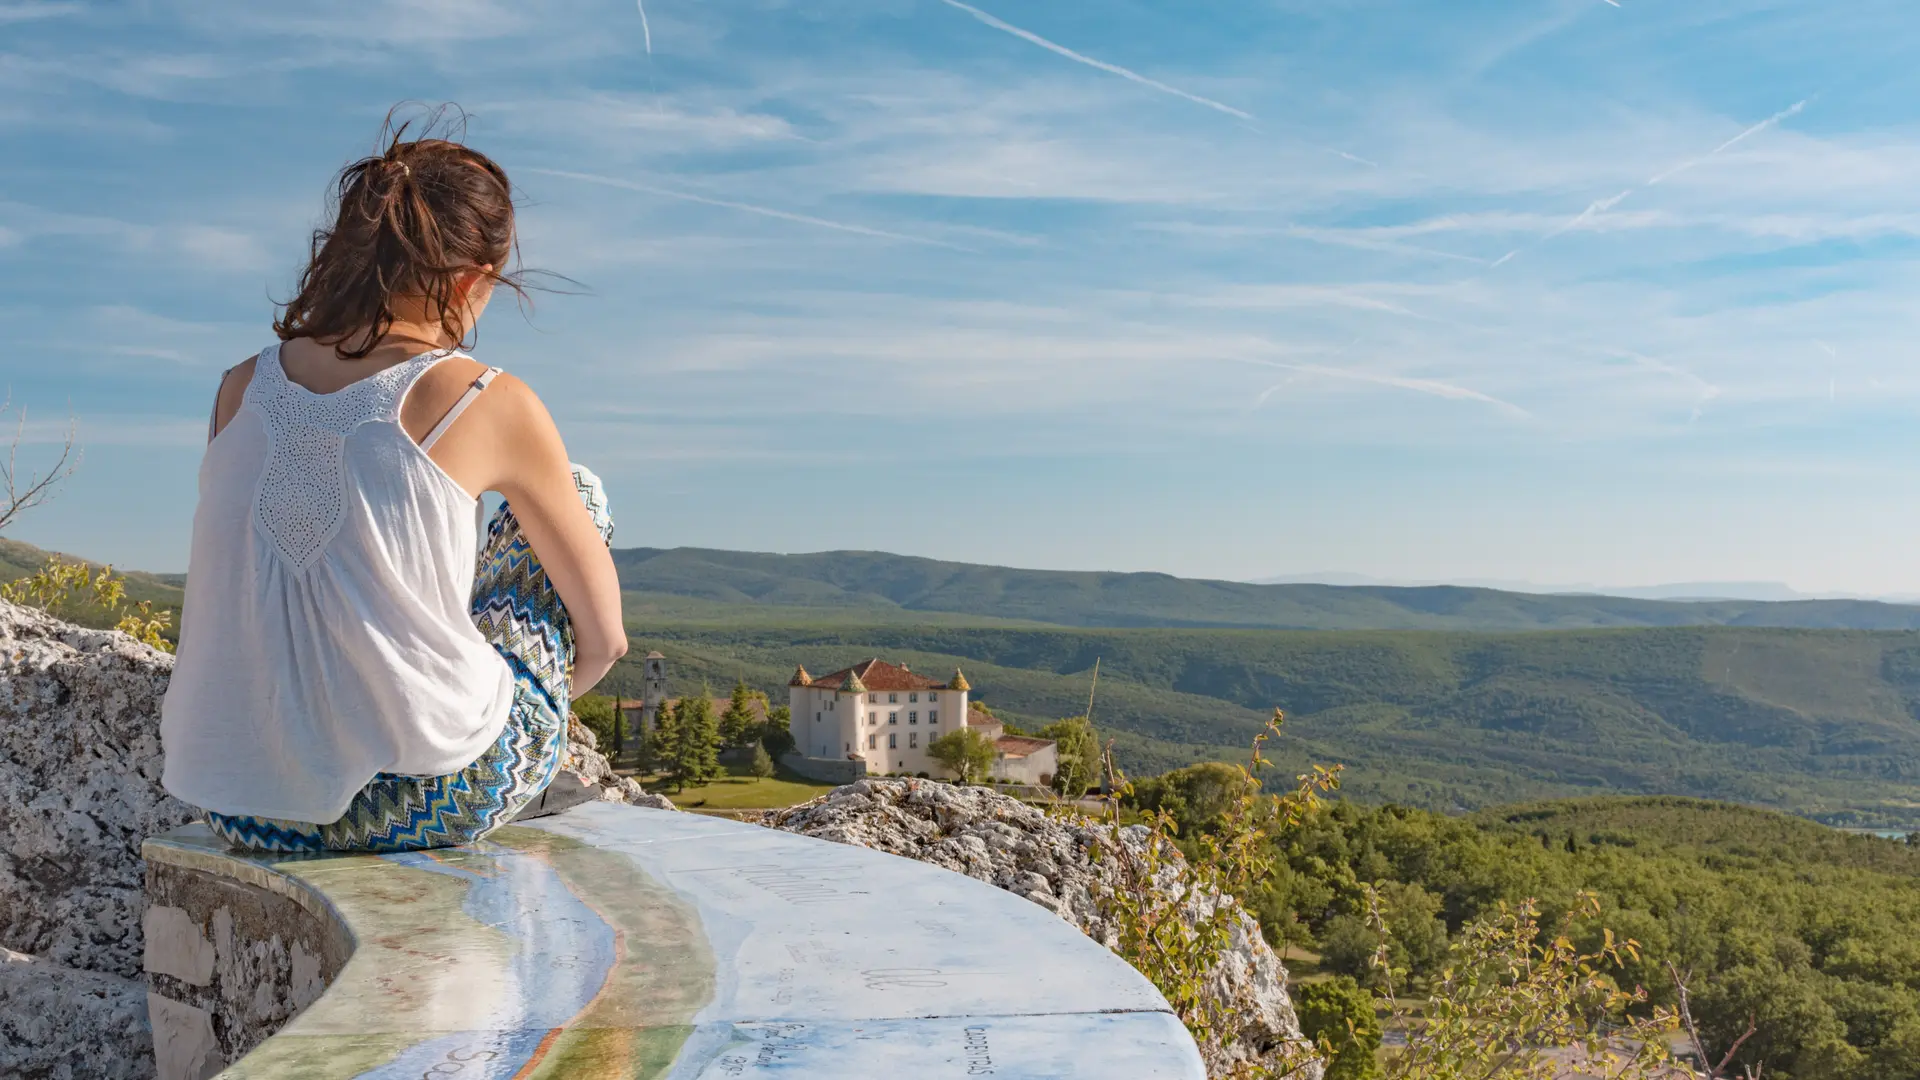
<point>79,789</point>
<point>57,1023</point>
<point>590,767</point>
<point>1007,843</point>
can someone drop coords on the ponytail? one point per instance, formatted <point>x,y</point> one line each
<point>406,223</point>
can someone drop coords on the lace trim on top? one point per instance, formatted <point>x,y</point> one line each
<point>302,496</point>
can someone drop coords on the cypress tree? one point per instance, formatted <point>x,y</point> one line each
<point>696,752</point>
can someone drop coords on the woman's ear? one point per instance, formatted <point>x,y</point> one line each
<point>464,281</point>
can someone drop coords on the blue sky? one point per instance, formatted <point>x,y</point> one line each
<point>1566,291</point>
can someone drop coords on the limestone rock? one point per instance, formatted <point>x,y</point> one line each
<point>1009,844</point>
<point>79,789</point>
<point>585,761</point>
<point>57,1023</point>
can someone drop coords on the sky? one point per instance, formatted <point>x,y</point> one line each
<point>1563,292</point>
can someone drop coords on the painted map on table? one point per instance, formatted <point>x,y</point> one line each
<point>614,942</point>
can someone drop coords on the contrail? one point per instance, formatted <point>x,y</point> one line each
<point>1791,110</point>
<point>1597,206</point>
<point>1422,386</point>
<point>749,208</point>
<point>1081,58</point>
<point>646,31</point>
<point>1615,3</point>
<point>1601,206</point>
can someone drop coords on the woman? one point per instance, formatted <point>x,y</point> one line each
<point>347,679</point>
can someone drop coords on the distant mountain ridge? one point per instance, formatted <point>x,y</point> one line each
<point>853,580</point>
<point>1769,591</point>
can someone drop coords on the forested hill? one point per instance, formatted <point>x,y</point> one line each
<point>1820,723</point>
<point>877,581</point>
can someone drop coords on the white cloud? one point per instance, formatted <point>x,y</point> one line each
<point>30,12</point>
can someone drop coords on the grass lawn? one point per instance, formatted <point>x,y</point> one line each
<point>745,792</point>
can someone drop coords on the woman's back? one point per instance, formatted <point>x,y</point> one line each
<point>355,671</point>
<point>333,562</point>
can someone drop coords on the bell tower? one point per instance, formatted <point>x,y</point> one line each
<point>653,689</point>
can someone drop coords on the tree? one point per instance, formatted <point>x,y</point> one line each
<point>696,750</point>
<point>966,753</point>
<point>662,744</point>
<point>1338,1015</point>
<point>737,724</point>
<point>776,734</point>
<point>597,714</point>
<point>1078,747</point>
<point>762,764</point>
<point>18,493</point>
<point>1196,796</point>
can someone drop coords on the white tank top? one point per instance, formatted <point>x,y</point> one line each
<point>325,635</point>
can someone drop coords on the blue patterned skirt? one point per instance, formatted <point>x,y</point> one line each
<point>516,608</point>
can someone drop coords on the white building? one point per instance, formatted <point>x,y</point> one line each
<point>887,715</point>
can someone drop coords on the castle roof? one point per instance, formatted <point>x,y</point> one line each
<point>800,677</point>
<point>958,682</point>
<point>871,675</point>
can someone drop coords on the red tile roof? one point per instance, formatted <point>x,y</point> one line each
<point>876,675</point>
<point>1020,745</point>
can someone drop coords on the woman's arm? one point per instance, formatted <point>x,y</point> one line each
<point>534,474</point>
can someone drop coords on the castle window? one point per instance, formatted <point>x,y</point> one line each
<point>873,718</point>
<point>913,740</point>
<point>913,717</point>
<point>913,697</point>
<point>849,749</point>
<point>816,716</point>
<point>873,698</point>
<point>873,742</point>
<point>933,716</point>
<point>933,695</point>
<point>893,699</point>
<point>893,718</point>
<point>893,741</point>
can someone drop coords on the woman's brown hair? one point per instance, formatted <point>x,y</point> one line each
<point>407,222</point>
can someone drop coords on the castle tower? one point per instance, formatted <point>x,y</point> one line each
<point>653,689</point>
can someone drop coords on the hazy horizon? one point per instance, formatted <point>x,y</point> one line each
<point>1582,292</point>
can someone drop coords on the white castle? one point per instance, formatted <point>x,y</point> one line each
<point>886,715</point>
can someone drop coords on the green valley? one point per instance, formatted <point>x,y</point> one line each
<point>1820,723</point>
<point>1812,720</point>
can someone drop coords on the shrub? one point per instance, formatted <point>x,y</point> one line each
<point>1338,1016</point>
<point>71,589</point>
<point>597,714</point>
<point>1510,996</point>
<point>762,763</point>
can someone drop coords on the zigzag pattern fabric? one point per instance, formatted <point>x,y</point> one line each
<point>516,608</point>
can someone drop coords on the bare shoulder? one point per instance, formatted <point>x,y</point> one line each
<point>436,392</point>
<point>233,391</point>
<point>515,401</point>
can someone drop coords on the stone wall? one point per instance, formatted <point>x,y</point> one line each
<point>825,770</point>
<point>229,962</point>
